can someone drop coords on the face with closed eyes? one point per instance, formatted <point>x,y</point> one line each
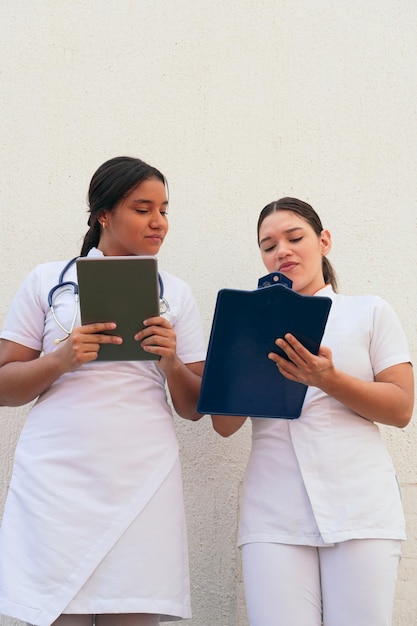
<point>289,245</point>
<point>137,225</point>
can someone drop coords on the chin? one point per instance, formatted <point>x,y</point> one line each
<point>147,252</point>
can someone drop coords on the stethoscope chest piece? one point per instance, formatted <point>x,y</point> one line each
<point>163,305</point>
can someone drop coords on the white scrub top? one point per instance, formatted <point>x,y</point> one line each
<point>94,518</point>
<point>327,476</point>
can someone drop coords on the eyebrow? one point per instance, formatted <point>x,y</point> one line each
<point>287,232</point>
<point>144,201</point>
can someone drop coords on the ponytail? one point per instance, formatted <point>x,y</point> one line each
<point>92,237</point>
<point>329,274</point>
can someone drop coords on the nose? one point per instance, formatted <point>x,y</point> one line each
<point>157,221</point>
<point>283,249</point>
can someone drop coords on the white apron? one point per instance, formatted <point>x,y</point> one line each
<point>95,501</point>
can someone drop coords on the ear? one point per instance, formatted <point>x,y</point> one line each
<point>102,219</point>
<point>325,242</point>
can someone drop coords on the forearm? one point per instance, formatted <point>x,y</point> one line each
<point>388,399</point>
<point>184,387</point>
<point>379,401</point>
<point>226,425</point>
<point>23,381</point>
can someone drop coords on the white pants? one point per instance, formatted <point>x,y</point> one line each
<point>349,584</point>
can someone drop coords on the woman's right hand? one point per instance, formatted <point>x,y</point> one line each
<point>24,376</point>
<point>83,344</point>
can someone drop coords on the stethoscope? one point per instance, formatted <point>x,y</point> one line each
<point>66,285</point>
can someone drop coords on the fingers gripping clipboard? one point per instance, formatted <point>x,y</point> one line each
<point>238,378</point>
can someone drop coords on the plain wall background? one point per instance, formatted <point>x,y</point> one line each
<point>238,103</point>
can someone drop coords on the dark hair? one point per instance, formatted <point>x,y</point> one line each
<point>112,182</point>
<point>308,214</point>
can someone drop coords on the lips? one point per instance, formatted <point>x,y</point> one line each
<point>285,267</point>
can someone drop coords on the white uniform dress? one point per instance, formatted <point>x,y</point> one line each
<point>327,476</point>
<point>94,518</point>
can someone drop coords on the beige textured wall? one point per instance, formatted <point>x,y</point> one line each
<point>238,103</point>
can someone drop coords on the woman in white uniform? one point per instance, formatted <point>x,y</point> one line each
<point>94,527</point>
<point>321,519</point>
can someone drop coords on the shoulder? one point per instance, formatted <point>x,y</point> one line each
<point>41,278</point>
<point>181,301</point>
<point>49,267</point>
<point>363,302</point>
<point>172,282</point>
<point>368,311</point>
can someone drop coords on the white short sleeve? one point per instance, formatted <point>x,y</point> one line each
<point>25,319</point>
<point>388,341</point>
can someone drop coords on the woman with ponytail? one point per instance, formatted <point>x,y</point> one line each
<point>93,530</point>
<point>321,521</point>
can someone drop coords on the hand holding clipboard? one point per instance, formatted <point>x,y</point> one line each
<point>238,378</point>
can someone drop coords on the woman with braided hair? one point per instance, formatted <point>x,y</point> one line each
<point>94,528</point>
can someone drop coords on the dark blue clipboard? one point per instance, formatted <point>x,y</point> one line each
<point>238,377</point>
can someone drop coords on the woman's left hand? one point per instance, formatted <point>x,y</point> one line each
<point>388,399</point>
<point>303,366</point>
<point>159,337</point>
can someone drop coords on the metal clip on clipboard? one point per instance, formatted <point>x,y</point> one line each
<point>238,377</point>
<point>275,278</point>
